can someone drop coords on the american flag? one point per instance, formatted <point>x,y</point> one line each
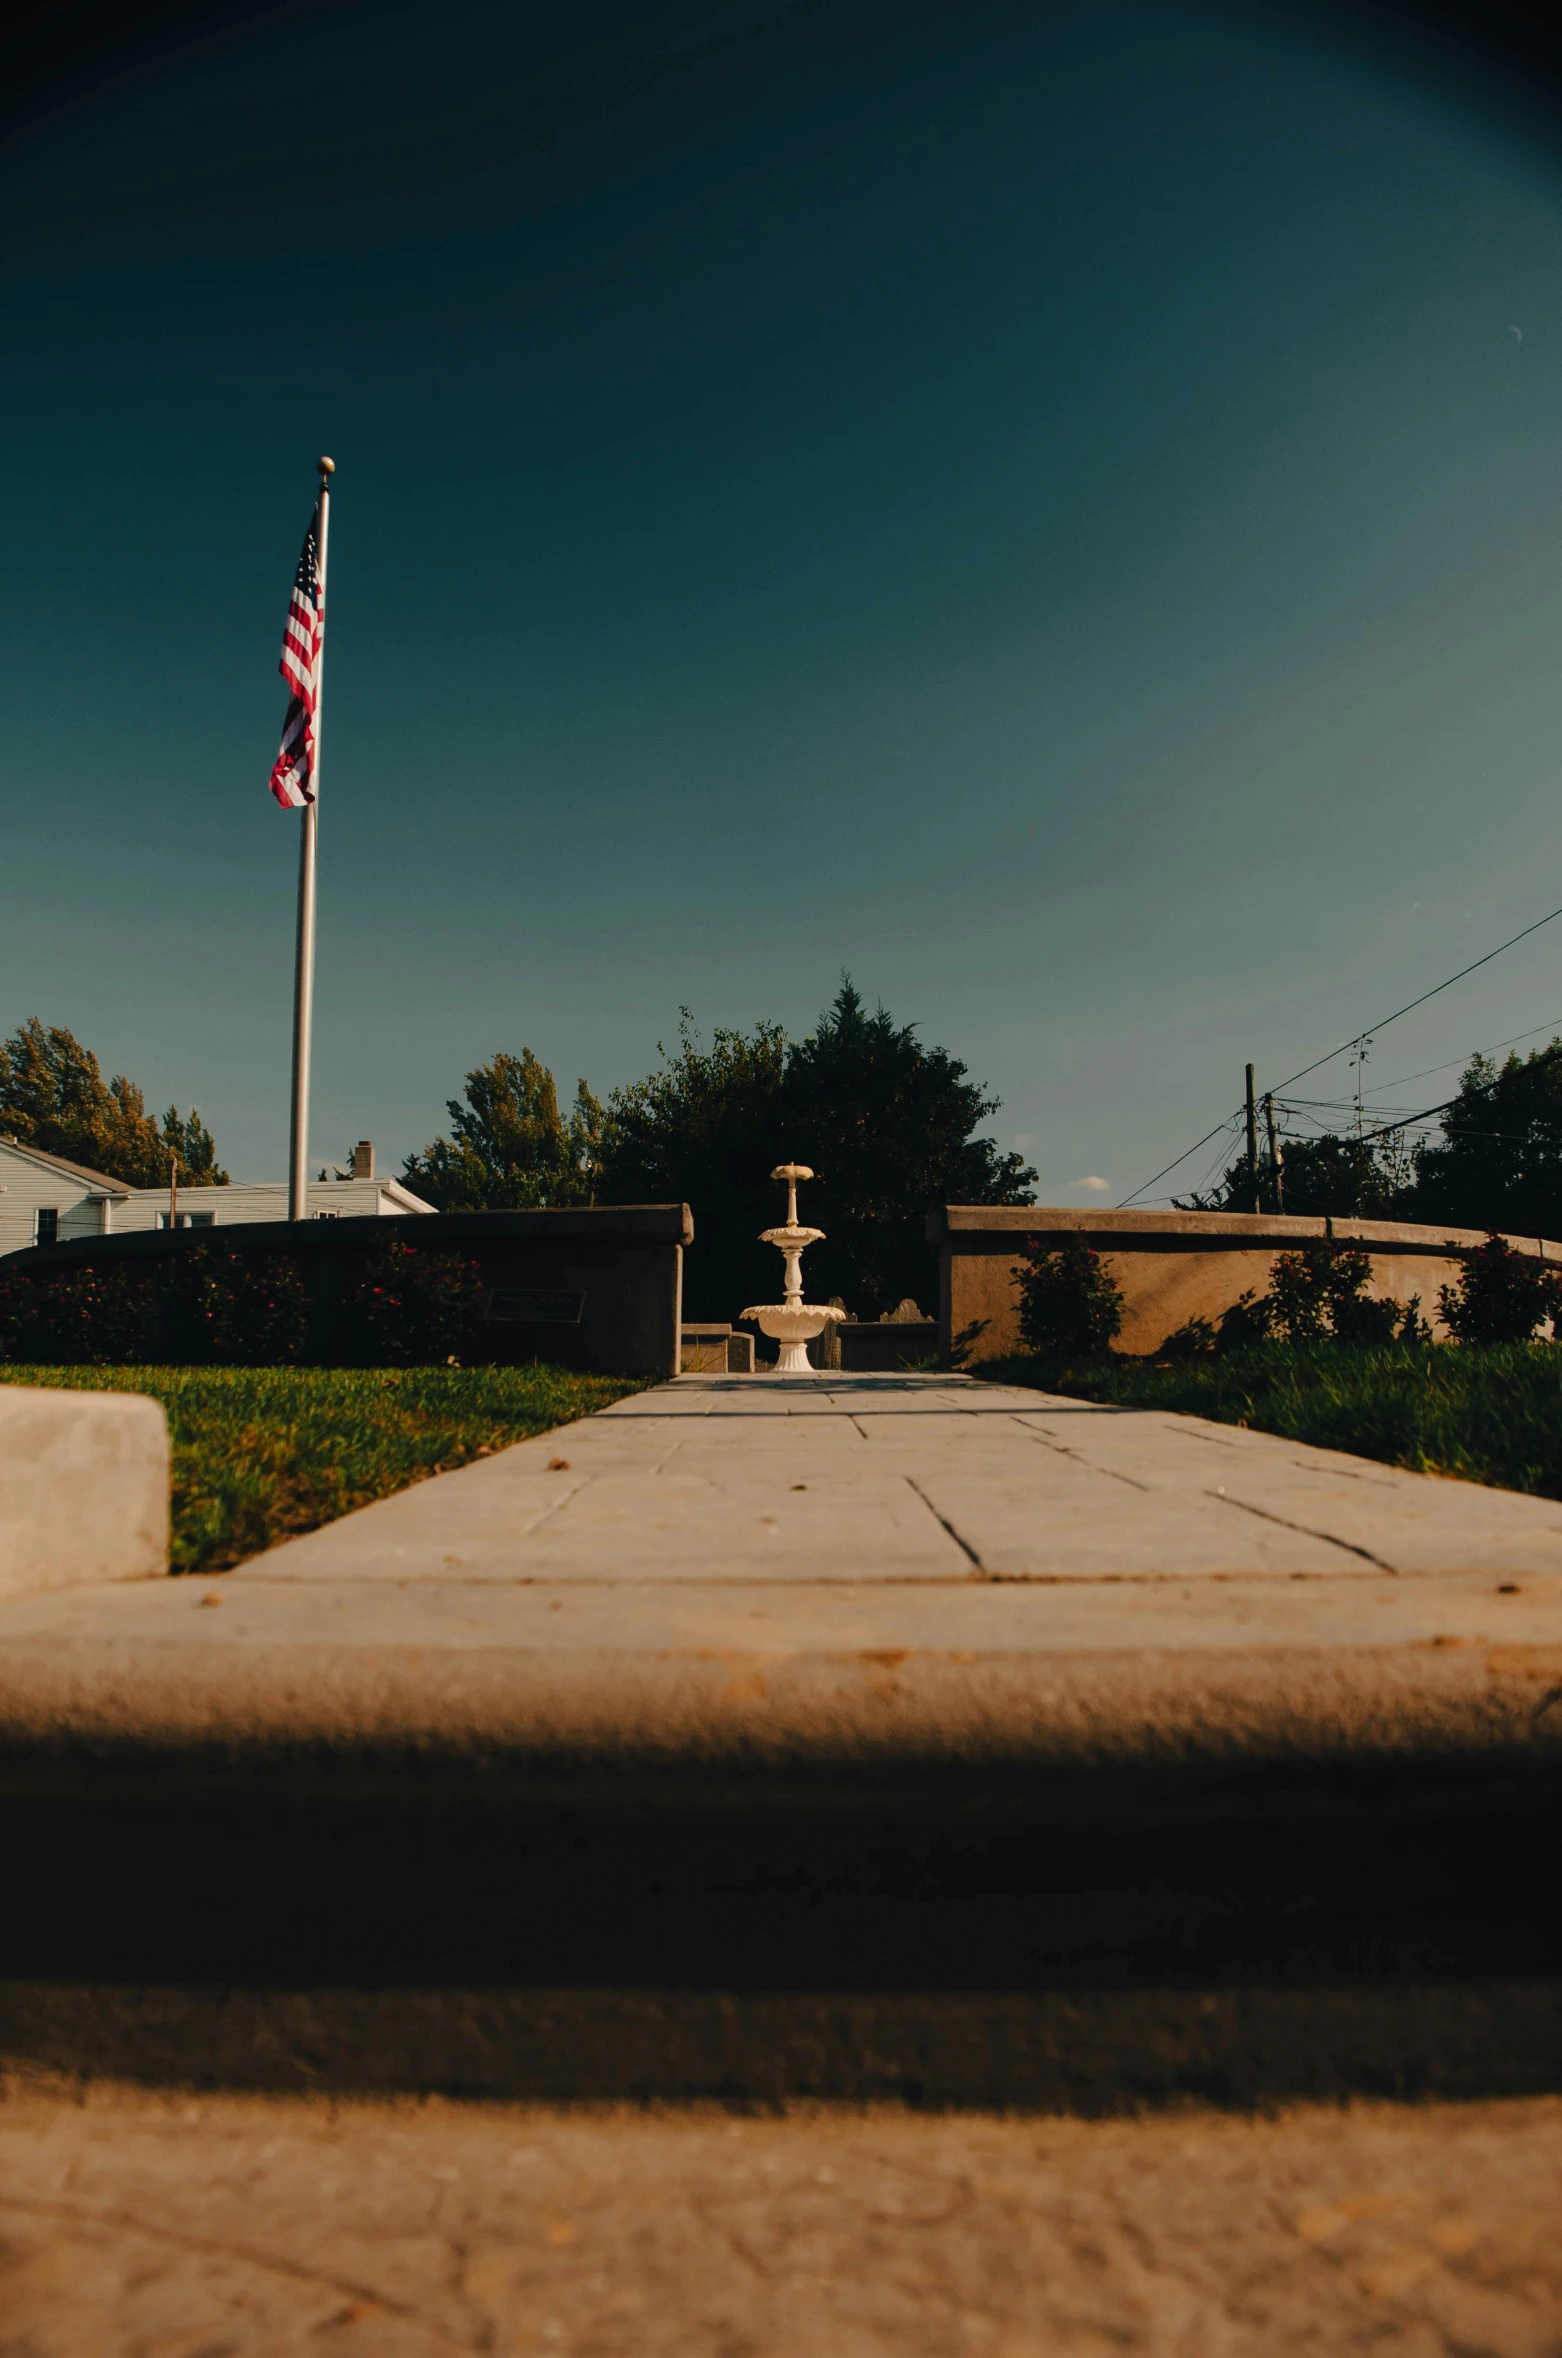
<point>293,772</point>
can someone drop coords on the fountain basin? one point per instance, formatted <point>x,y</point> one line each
<point>793,1325</point>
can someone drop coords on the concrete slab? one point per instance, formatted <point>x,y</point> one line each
<point>869,1569</point>
<point>83,1488</point>
<point>871,1737</point>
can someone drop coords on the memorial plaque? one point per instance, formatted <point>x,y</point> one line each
<point>516,1305</point>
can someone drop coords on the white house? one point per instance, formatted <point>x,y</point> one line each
<point>46,1200</point>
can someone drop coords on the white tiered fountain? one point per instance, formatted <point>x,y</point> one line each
<point>794,1322</point>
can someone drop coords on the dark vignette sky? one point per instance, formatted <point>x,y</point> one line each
<point>1051,507</point>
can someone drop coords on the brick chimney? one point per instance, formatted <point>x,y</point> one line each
<point>363,1159</point>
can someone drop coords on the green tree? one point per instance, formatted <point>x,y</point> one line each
<point>53,1096</point>
<point>1498,1164</point>
<point>889,1126</point>
<point>587,1127</point>
<point>1352,1178</point>
<point>885,1122</point>
<point>707,1130</point>
<point>510,1147</point>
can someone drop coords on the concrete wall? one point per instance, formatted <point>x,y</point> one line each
<point>596,1289</point>
<point>1172,1266</point>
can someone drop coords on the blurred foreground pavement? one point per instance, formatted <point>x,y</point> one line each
<point>146,2226</point>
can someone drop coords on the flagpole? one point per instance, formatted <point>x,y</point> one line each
<point>304,956</point>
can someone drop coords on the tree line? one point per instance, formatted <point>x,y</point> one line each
<point>1495,1163</point>
<point>887,1123</point>
<point>53,1096</point>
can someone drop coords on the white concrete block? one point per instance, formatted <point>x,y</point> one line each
<point>83,1488</point>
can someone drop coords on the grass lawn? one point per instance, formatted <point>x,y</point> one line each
<point>260,1453</point>
<point>1485,1412</point>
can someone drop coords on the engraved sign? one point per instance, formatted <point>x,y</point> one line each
<point>516,1305</point>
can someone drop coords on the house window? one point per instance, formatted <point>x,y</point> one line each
<point>187,1220</point>
<point>48,1224</point>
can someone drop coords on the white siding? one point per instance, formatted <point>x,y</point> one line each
<point>28,1187</point>
<point>347,1199</point>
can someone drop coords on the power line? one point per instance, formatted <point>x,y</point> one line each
<point>1368,1029</point>
<point>1366,1032</point>
<point>1511,1042</point>
<point>1182,1158</point>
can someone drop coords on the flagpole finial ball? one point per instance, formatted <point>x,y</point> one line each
<point>326,466</point>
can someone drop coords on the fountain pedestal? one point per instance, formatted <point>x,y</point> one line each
<point>792,1323</point>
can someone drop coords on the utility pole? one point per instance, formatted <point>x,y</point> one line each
<point>1252,1140</point>
<point>1276,1160</point>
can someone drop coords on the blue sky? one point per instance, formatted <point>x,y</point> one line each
<point>1051,508</point>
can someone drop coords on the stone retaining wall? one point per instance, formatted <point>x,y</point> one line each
<point>1172,1266</point>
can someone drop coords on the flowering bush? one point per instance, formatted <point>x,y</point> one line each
<point>1070,1303</point>
<point>1320,1292</point>
<point>420,1309</point>
<point>208,1304</point>
<point>238,1309</point>
<point>94,1317</point>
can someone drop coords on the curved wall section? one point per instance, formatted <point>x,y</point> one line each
<point>1172,1266</point>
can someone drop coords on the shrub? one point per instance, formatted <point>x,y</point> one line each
<point>209,1304</point>
<point>239,1309</point>
<point>1070,1303</point>
<point>101,1317</point>
<point>1321,1291</point>
<point>420,1309</point>
<point>1317,1294</point>
<point>1502,1295</point>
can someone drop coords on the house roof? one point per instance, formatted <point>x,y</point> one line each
<point>57,1162</point>
<point>404,1195</point>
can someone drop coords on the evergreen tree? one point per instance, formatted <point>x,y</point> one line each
<point>888,1125</point>
<point>704,1131</point>
<point>510,1146</point>
<point>53,1096</point>
<point>885,1123</point>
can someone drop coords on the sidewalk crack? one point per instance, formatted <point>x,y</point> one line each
<point>1061,1449</point>
<point>963,1544</point>
<point>1306,1530</point>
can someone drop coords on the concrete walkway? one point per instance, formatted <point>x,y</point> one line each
<point>870,1568</point>
<point>875,1737</point>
